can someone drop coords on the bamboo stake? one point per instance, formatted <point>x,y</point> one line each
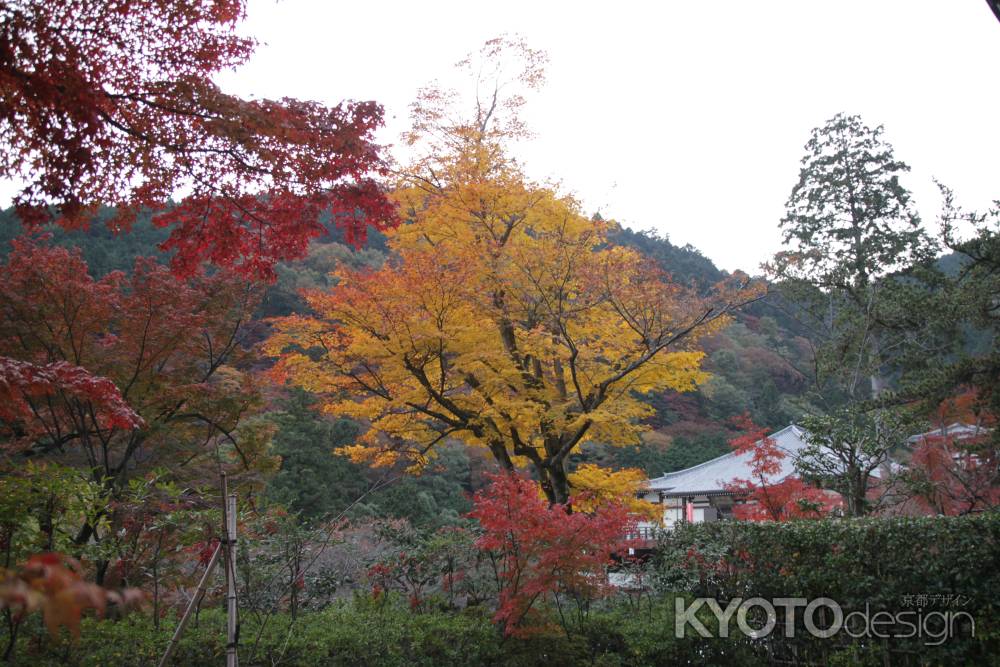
<point>232,627</point>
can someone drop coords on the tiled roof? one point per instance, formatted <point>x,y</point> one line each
<point>711,477</point>
<point>957,430</point>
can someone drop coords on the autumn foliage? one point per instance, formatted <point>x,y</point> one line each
<point>26,391</point>
<point>101,364</point>
<point>765,496</point>
<point>113,103</point>
<point>952,469</point>
<point>953,476</point>
<point>112,377</point>
<point>52,583</point>
<point>594,486</point>
<point>504,318</point>
<point>956,473</point>
<point>541,550</point>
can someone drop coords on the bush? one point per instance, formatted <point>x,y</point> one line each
<point>386,633</point>
<point>645,636</point>
<point>874,562</point>
<point>922,565</point>
<point>358,633</point>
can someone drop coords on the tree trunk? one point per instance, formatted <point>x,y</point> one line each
<point>856,496</point>
<point>12,627</point>
<point>878,381</point>
<point>86,532</point>
<point>101,571</point>
<point>551,476</point>
<point>559,483</point>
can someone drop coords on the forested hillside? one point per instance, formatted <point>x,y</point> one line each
<point>753,365</point>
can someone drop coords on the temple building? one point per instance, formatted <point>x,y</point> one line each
<point>700,493</point>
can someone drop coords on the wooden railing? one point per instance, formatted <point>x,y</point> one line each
<point>643,533</point>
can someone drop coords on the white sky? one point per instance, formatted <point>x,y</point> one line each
<point>684,116</point>
<point>687,117</point>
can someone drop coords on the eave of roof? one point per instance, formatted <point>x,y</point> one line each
<point>707,492</point>
<point>956,428</point>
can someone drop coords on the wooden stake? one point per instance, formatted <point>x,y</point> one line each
<point>232,627</point>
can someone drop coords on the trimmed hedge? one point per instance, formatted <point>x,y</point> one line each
<point>882,564</point>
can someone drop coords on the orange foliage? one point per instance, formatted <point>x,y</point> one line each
<point>52,583</point>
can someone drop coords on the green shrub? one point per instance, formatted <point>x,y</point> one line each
<point>855,562</point>
<point>882,564</point>
<point>387,634</point>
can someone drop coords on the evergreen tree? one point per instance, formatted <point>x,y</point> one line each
<point>856,252</point>
<point>312,480</point>
<point>317,483</point>
<point>859,271</point>
<point>974,291</point>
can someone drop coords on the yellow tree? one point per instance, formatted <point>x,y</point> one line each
<point>504,318</point>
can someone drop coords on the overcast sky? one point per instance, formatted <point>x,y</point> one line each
<point>685,117</point>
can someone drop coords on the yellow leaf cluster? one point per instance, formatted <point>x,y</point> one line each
<point>593,485</point>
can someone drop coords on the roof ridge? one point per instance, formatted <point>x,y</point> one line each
<point>696,466</point>
<point>667,475</point>
<point>948,428</point>
<point>793,427</point>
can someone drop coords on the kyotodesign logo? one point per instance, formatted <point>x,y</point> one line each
<point>822,618</point>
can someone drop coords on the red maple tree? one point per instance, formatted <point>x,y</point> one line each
<point>955,476</point>
<point>541,550</point>
<point>764,497</point>
<point>956,472</point>
<point>112,103</point>
<point>27,390</point>
<point>120,366</point>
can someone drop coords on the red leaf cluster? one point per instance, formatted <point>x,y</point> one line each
<point>113,103</point>
<point>542,549</point>
<point>765,456</point>
<point>955,476</point>
<point>24,385</point>
<point>81,358</point>
<point>762,497</point>
<point>789,499</point>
